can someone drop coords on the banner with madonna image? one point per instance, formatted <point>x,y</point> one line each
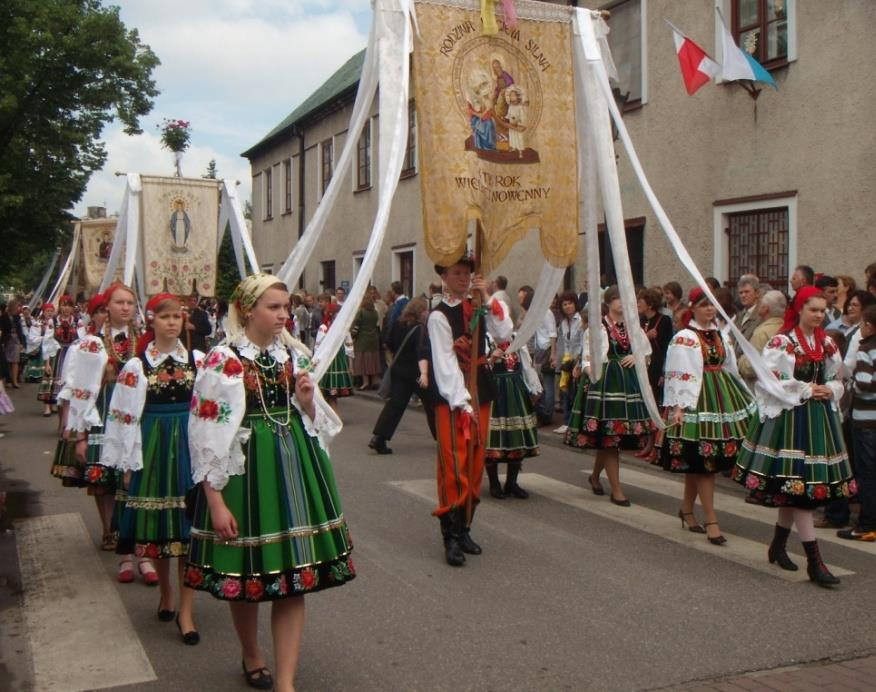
<point>179,217</point>
<point>97,238</point>
<point>496,115</point>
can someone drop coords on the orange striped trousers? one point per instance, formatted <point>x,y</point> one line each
<point>454,467</point>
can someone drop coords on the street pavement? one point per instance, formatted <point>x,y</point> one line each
<point>571,592</point>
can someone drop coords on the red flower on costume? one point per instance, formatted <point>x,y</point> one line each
<point>231,588</point>
<point>94,474</point>
<point>151,550</point>
<point>283,585</point>
<point>729,449</point>
<point>254,589</point>
<point>619,427</point>
<point>308,579</point>
<point>129,379</point>
<point>194,577</point>
<point>232,367</point>
<point>819,492</point>
<point>208,409</point>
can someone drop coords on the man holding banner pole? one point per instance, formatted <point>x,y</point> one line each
<point>463,392</point>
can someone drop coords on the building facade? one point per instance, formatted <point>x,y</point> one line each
<point>751,184</point>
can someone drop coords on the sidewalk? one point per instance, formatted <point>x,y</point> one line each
<point>850,675</point>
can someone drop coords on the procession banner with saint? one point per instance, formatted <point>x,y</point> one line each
<point>179,217</point>
<point>496,117</point>
<point>98,237</point>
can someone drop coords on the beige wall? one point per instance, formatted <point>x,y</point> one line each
<point>815,135</point>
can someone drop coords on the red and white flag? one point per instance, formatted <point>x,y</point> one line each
<point>697,68</point>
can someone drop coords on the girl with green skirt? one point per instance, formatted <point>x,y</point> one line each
<point>513,425</point>
<point>337,381</point>
<point>268,524</point>
<point>794,457</point>
<point>146,436</point>
<point>709,410</point>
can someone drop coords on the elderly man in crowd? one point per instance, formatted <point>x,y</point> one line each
<point>747,319</point>
<point>770,313</point>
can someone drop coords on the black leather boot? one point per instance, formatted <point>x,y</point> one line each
<point>450,533</point>
<point>495,485</point>
<point>777,552</point>
<point>816,568</point>
<point>378,444</point>
<point>511,487</point>
<point>465,542</point>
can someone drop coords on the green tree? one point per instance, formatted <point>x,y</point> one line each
<point>227,276</point>
<point>67,68</point>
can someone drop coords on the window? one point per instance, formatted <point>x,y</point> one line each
<point>327,162</point>
<point>635,232</point>
<point>756,235</point>
<point>269,193</point>
<point>287,183</point>
<point>627,40</point>
<point>410,165</point>
<point>760,28</point>
<point>403,268</point>
<point>267,268</point>
<point>363,159</point>
<point>358,258</point>
<point>328,275</point>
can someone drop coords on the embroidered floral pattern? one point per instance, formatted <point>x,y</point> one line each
<point>129,379</point>
<point>684,341</point>
<point>209,409</point>
<point>679,375</point>
<point>81,394</point>
<point>90,346</point>
<point>119,416</point>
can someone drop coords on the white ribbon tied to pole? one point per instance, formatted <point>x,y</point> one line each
<point>64,276</point>
<point>392,23</point>
<point>231,214</point>
<point>41,287</point>
<point>588,41</point>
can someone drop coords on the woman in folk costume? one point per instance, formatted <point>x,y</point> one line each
<point>65,465</point>
<point>709,410</point>
<point>267,524</point>
<point>33,332</point>
<point>614,416</point>
<point>95,363</point>
<point>146,434</point>
<point>337,381</point>
<point>462,432</point>
<point>794,457</point>
<point>58,335</point>
<point>513,425</point>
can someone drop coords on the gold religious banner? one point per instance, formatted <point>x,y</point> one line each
<point>496,125</point>
<point>179,218</point>
<point>98,236</point>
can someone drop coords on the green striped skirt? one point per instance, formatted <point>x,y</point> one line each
<point>337,381</point>
<point>292,535</point>
<point>611,411</point>
<point>50,384</point>
<point>513,426</point>
<point>709,438</point>
<point>100,479</point>
<point>153,520</point>
<point>65,465</point>
<point>33,371</point>
<point>797,459</point>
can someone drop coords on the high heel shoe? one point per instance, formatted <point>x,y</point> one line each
<point>693,528</point>
<point>596,486</point>
<point>717,540</point>
<point>191,637</point>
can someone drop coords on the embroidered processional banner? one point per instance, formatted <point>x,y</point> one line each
<point>179,218</point>
<point>496,124</point>
<point>97,238</point>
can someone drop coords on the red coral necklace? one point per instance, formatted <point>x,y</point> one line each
<point>618,332</point>
<point>816,354</point>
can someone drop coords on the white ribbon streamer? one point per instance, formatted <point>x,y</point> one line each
<point>392,22</point>
<point>64,276</point>
<point>587,58</point>
<point>41,287</point>
<point>294,265</point>
<point>548,284</point>
<point>231,214</point>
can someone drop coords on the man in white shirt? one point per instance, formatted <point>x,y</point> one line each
<point>457,421</point>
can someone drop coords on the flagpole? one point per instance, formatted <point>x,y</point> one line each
<point>475,427</point>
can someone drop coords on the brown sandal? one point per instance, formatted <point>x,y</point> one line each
<point>108,542</point>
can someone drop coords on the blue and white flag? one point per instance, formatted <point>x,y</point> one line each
<point>738,64</point>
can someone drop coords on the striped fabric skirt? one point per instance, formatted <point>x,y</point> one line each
<point>797,459</point>
<point>513,426</point>
<point>292,535</point>
<point>100,479</point>
<point>153,520</point>
<point>613,413</point>
<point>337,381</point>
<point>50,385</point>
<point>709,438</point>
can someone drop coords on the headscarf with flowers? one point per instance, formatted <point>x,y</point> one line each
<point>152,307</point>
<point>244,297</point>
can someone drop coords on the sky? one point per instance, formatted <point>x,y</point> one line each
<point>234,69</point>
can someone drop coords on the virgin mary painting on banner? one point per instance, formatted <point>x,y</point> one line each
<point>98,237</point>
<point>179,219</point>
<point>499,110</point>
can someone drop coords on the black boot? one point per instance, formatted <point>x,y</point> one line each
<point>816,568</point>
<point>777,552</point>
<point>378,444</point>
<point>465,541</point>
<point>450,533</point>
<point>511,487</point>
<point>495,485</point>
